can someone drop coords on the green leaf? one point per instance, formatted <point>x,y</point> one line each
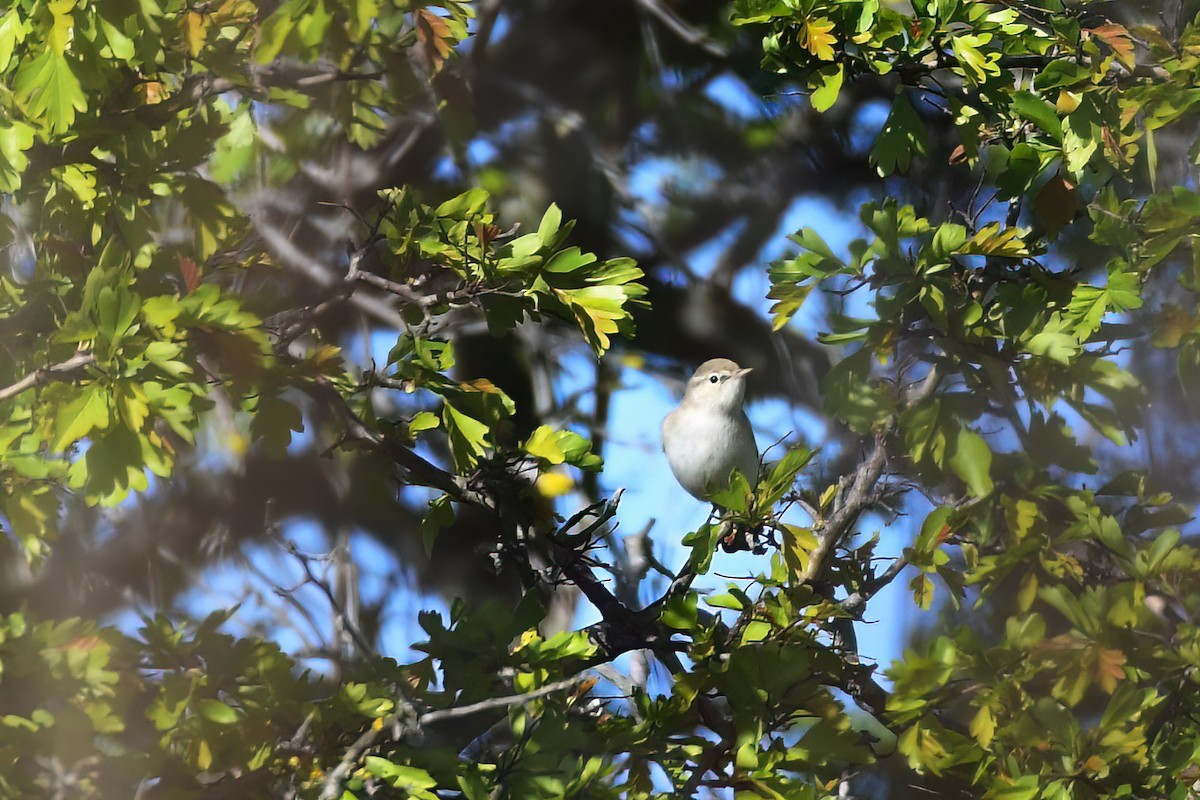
<point>12,33</point>
<point>543,444</point>
<point>89,411</point>
<point>1167,541</point>
<point>826,83</point>
<point>555,447</point>
<point>1027,787</point>
<point>850,395</point>
<point>728,601</point>
<point>399,776</point>
<point>49,90</point>
<point>903,136</point>
<point>600,312</point>
<point>439,515</point>
<point>1039,112</point>
<point>746,12</point>
<point>422,421</point>
<point>15,138</point>
<point>1053,343</point>
<point>976,66</point>
<point>922,590</point>
<point>569,260</point>
<point>735,496</point>
<point>983,726</point>
<point>703,542</point>
<point>798,544</point>
<point>971,459</point>
<point>933,530</point>
<point>233,154</point>
<point>468,437</point>
<point>218,712</point>
<point>465,206</point>
<point>547,230</point>
<point>782,475</point>
<point>680,612</point>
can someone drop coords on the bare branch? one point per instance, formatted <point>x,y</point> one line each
<point>433,717</point>
<point>291,255</point>
<point>855,602</point>
<point>862,488</point>
<point>682,29</point>
<point>342,617</point>
<point>60,371</point>
<point>830,532</point>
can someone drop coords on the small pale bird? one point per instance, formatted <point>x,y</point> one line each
<point>709,435</point>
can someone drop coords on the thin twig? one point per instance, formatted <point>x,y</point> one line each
<point>360,641</point>
<point>854,603</point>
<point>440,715</point>
<point>291,255</point>
<point>682,29</point>
<point>334,779</point>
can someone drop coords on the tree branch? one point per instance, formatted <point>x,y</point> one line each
<point>831,531</point>
<point>862,487</point>
<point>44,375</point>
<point>682,29</point>
<point>286,251</point>
<point>431,474</point>
<point>854,604</point>
<point>441,715</point>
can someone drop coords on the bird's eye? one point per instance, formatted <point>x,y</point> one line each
<point>713,379</point>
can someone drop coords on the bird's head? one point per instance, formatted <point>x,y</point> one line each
<point>719,384</point>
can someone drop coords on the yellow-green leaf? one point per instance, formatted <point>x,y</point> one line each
<point>87,412</point>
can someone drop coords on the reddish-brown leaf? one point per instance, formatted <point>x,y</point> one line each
<point>1056,204</point>
<point>434,36</point>
<point>480,385</point>
<point>486,234</point>
<point>151,92</point>
<point>1109,668</point>
<point>1117,38</point>
<point>85,643</point>
<point>190,272</point>
<point>584,687</point>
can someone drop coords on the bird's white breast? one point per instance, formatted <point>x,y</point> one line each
<point>703,447</point>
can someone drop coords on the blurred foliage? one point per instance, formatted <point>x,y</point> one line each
<point>206,208</point>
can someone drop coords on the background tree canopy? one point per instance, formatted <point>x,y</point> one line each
<point>320,319</point>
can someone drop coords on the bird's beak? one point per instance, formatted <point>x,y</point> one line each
<point>743,372</point>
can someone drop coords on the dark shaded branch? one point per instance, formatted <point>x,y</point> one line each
<point>428,473</point>
<point>682,29</point>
